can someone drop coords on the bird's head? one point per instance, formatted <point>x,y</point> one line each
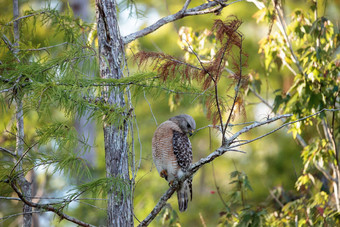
<point>186,123</point>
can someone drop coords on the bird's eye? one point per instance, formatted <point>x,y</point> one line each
<point>188,125</point>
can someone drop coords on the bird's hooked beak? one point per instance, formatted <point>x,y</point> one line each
<point>191,132</point>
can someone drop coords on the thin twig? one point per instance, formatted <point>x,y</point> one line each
<point>140,146</point>
<point>237,90</point>
<point>260,97</point>
<point>282,26</point>
<point>217,187</point>
<point>275,198</point>
<point>217,153</point>
<point>215,82</point>
<point>185,7</point>
<point>3,219</point>
<point>45,48</point>
<point>150,108</point>
<point>10,46</point>
<point>298,136</point>
<point>24,17</point>
<point>10,198</point>
<point>48,207</point>
<point>54,198</point>
<point>91,205</point>
<point>129,83</point>
<point>6,90</point>
<point>200,61</point>
<point>8,152</point>
<point>208,126</point>
<point>213,171</point>
<point>325,173</point>
<point>193,168</point>
<point>283,125</point>
<point>22,156</point>
<point>202,220</point>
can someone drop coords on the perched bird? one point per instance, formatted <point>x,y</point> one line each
<point>172,153</point>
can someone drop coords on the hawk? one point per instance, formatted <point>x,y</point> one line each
<point>172,153</point>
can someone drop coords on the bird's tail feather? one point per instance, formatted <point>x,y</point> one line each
<point>183,194</point>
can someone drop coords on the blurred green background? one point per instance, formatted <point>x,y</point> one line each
<point>272,162</point>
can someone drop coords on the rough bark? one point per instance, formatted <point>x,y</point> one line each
<point>111,61</point>
<point>23,183</point>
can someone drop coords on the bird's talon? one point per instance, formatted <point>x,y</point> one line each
<point>164,174</point>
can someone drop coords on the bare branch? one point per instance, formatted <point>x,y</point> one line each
<point>4,80</point>
<point>325,173</point>
<point>45,48</point>
<point>261,98</point>
<point>186,4</point>
<point>22,156</point>
<point>215,82</point>
<point>196,166</point>
<point>206,8</point>
<point>6,90</point>
<point>161,203</point>
<point>10,46</point>
<point>26,16</point>
<point>275,198</point>
<point>19,214</point>
<point>219,152</point>
<point>48,207</point>
<point>216,186</point>
<point>150,108</point>
<point>200,61</point>
<point>236,91</point>
<point>10,198</point>
<point>89,204</point>
<point>8,152</point>
<point>298,136</point>
<point>283,125</point>
<point>282,26</point>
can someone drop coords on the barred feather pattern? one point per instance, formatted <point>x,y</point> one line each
<point>172,154</point>
<point>183,152</point>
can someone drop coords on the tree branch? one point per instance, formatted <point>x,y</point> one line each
<point>196,166</point>
<point>26,16</point>
<point>8,152</point>
<point>22,156</point>
<point>206,8</point>
<point>298,136</point>
<point>215,83</point>
<point>3,219</point>
<point>282,26</point>
<point>283,125</point>
<point>48,207</point>
<point>219,152</point>
<point>236,91</point>
<point>45,48</point>
<point>10,198</point>
<point>10,46</point>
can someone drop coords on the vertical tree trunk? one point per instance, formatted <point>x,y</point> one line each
<point>19,115</point>
<point>111,60</point>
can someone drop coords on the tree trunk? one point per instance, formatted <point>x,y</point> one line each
<point>20,135</point>
<point>111,61</point>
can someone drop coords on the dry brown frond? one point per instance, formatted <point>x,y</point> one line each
<point>228,30</point>
<point>209,74</point>
<point>166,65</point>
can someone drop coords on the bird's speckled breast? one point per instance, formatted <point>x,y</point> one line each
<point>162,149</point>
